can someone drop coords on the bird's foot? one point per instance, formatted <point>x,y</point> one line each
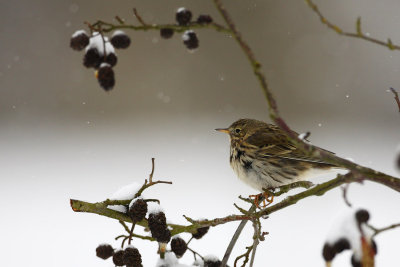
<point>264,197</point>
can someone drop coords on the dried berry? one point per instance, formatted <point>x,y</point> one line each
<point>158,227</point>
<point>104,251</point>
<point>105,76</point>
<point>137,210</point>
<point>341,244</point>
<point>362,216</point>
<point>190,39</point>
<point>164,237</point>
<point>79,40</point>
<point>132,257</point>
<point>212,263</point>
<point>92,58</point>
<point>328,252</point>
<point>166,33</point>
<point>201,232</point>
<point>183,16</point>
<point>111,59</point>
<point>118,258</point>
<point>120,40</point>
<point>374,246</point>
<point>204,19</point>
<point>178,246</point>
<point>355,262</point>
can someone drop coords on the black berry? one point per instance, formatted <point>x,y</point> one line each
<point>138,210</point>
<point>201,232</point>
<point>355,262</point>
<point>374,247</point>
<point>105,76</point>
<point>166,33</point>
<point>120,40</point>
<point>178,246</point>
<point>111,59</point>
<point>104,251</point>
<point>212,263</point>
<point>165,236</point>
<point>118,258</point>
<point>183,16</point>
<point>92,58</point>
<point>204,19</point>
<point>158,227</point>
<point>190,39</point>
<point>132,257</point>
<point>79,40</point>
<point>362,216</point>
<point>341,244</point>
<point>328,252</point>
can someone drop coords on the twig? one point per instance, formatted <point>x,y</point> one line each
<point>256,241</point>
<point>139,18</point>
<point>380,230</point>
<point>396,97</point>
<point>358,34</point>
<point>131,233</point>
<point>152,169</point>
<point>195,253</point>
<point>235,237</point>
<point>344,194</point>
<point>125,226</point>
<point>121,21</point>
<point>109,27</point>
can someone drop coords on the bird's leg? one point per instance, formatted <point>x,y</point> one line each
<point>266,196</point>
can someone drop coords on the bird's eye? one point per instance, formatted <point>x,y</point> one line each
<point>237,130</point>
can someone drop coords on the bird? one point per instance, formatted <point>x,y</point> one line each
<point>265,158</point>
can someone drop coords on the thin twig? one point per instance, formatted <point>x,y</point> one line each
<point>380,230</point>
<point>139,18</point>
<point>358,34</point>
<point>195,253</point>
<point>125,226</point>
<point>256,241</point>
<point>345,188</point>
<point>131,233</point>
<point>152,171</point>
<point>396,97</point>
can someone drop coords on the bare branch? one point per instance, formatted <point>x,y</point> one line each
<point>396,97</point>
<point>358,34</point>
<point>380,230</point>
<point>139,18</point>
<point>344,194</point>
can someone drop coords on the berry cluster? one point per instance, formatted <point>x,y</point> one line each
<point>129,257</point>
<point>183,17</point>
<point>331,249</point>
<point>100,53</point>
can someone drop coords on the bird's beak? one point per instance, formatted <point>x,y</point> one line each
<point>223,130</point>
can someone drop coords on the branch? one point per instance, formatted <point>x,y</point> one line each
<point>109,27</point>
<point>380,230</point>
<point>318,190</point>
<point>396,97</point>
<point>358,34</point>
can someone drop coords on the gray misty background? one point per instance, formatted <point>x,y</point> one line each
<point>62,137</point>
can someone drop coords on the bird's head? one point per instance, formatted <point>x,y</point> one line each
<point>239,128</point>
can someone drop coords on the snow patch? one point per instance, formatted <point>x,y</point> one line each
<point>126,192</point>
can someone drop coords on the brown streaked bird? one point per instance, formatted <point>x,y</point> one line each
<point>263,156</point>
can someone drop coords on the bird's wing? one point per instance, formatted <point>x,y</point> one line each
<point>277,144</point>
